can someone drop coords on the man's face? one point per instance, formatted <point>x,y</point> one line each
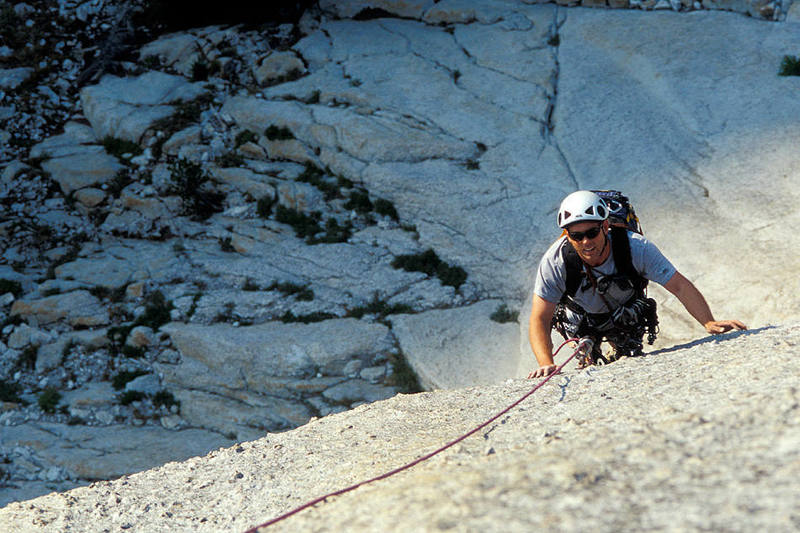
<point>588,238</point>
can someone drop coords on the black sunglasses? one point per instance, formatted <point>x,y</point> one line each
<point>591,233</point>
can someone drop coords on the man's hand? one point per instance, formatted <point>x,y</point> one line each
<point>721,326</point>
<point>542,371</point>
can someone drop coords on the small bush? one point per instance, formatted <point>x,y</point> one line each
<point>386,208</point>
<point>27,359</point>
<point>244,137</point>
<point>133,352</point>
<point>315,176</point>
<point>9,392</point>
<point>264,206</point>
<point>554,40</point>
<point>190,183</point>
<point>226,244</point>
<point>128,397</point>
<point>201,69</point>
<point>276,133</point>
<point>120,147</point>
<point>156,312</point>
<point>304,225</point>
<point>429,263</point>
<point>124,377</point>
<point>790,66</point>
<point>48,400</point>
<point>300,292</point>
<point>380,308</point>
<point>14,287</point>
<point>230,159</point>
<point>503,315</point>
<point>165,398</point>
<point>318,316</point>
<point>359,202</point>
<point>333,233</point>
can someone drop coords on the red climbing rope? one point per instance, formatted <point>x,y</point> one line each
<point>415,462</point>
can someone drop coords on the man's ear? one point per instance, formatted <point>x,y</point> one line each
<point>606,226</point>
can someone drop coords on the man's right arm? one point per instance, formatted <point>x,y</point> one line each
<point>539,336</point>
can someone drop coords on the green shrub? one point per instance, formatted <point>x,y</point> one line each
<point>315,176</point>
<point>503,315</point>
<point>230,159</point>
<point>156,311</point>
<point>333,233</point>
<point>304,225</point>
<point>380,308</point>
<point>244,137</point>
<point>124,377</point>
<point>9,392</point>
<point>279,133</point>
<point>27,358</point>
<point>359,202</point>
<point>133,352</point>
<point>189,182</point>
<point>429,263</point>
<point>386,208</point>
<point>120,147</point>
<point>264,206</point>
<point>317,316</point>
<point>300,292</point>
<point>128,397</point>
<point>14,287</point>
<point>48,400</point>
<point>165,398</point>
<point>202,69</point>
<point>790,66</point>
<point>226,244</point>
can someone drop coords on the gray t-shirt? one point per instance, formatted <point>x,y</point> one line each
<point>551,279</point>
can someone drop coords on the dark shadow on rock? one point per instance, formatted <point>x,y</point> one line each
<point>711,338</point>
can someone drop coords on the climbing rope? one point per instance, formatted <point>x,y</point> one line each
<point>581,344</point>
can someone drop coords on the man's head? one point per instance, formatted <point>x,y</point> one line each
<point>583,214</point>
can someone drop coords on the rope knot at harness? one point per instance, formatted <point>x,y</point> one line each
<point>584,346</point>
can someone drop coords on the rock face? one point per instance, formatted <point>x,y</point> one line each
<point>618,447</point>
<point>244,230</point>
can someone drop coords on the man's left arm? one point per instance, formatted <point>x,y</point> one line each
<point>696,305</point>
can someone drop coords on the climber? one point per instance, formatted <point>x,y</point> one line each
<point>591,283</point>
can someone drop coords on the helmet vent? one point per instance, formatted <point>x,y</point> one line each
<point>601,212</point>
<point>590,210</point>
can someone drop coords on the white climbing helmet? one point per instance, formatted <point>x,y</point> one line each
<point>581,206</point>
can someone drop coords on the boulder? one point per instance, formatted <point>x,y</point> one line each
<point>124,108</point>
<point>11,78</point>
<point>246,357</point>
<point>278,66</point>
<point>91,453</point>
<point>78,308</point>
<point>459,347</point>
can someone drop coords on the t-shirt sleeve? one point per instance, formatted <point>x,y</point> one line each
<point>550,281</point>
<point>649,261</point>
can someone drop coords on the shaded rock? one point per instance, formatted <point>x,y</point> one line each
<point>459,347</point>
<point>50,355</point>
<point>78,308</point>
<point>90,197</point>
<point>358,390</point>
<point>107,452</point>
<point>246,415</point>
<point>11,78</point>
<point>245,357</point>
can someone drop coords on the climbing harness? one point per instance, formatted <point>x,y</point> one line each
<point>584,346</point>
